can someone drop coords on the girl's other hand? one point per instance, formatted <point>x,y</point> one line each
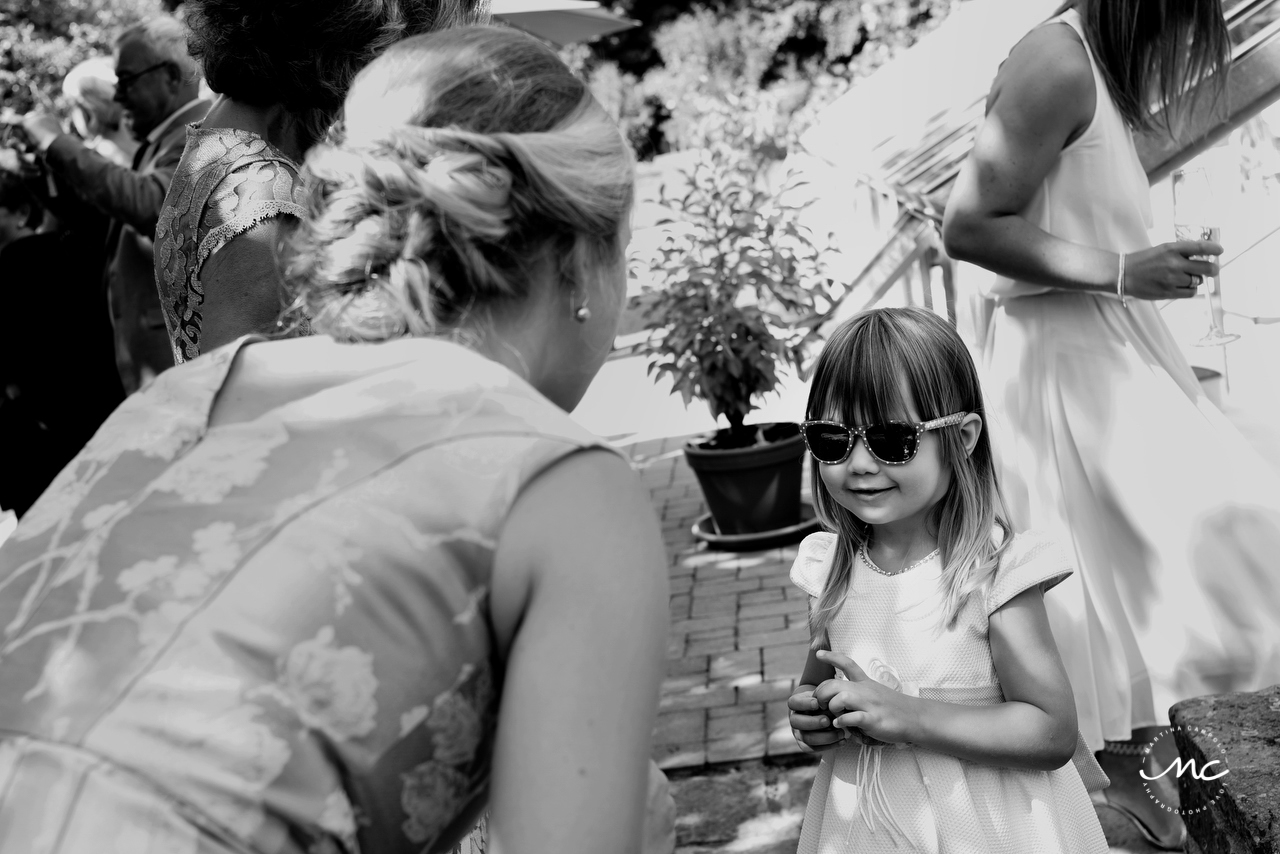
<point>862,703</point>
<point>811,724</point>
<point>1170,270</point>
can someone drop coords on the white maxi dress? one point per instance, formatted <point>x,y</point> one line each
<point>1105,440</point>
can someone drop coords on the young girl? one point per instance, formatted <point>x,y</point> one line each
<point>933,676</point>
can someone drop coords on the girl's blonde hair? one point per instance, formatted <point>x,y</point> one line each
<point>484,160</point>
<point>863,375</point>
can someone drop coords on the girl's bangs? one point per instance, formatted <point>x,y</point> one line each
<point>859,380</point>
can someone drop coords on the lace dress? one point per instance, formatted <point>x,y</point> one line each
<point>906,799</point>
<point>268,636</point>
<point>227,182</point>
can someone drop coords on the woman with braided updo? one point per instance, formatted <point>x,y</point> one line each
<point>281,69</point>
<point>343,592</point>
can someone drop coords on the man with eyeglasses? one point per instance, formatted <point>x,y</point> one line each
<point>158,85</point>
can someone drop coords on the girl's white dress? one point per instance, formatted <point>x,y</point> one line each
<point>906,799</point>
<point>1105,441</point>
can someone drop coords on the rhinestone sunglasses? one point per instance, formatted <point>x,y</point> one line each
<point>893,443</point>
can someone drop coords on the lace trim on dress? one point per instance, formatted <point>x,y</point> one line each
<point>227,182</point>
<point>244,220</point>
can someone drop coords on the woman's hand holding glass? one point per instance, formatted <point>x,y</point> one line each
<point>1170,270</point>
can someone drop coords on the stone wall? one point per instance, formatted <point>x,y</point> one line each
<point>1239,812</point>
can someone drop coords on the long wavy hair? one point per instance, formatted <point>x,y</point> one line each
<point>1158,57</point>
<point>864,376</point>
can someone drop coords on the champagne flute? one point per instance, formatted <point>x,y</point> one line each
<point>1193,203</point>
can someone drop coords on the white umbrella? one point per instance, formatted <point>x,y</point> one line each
<point>560,21</point>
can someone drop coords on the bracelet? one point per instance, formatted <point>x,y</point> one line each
<point>1124,301</point>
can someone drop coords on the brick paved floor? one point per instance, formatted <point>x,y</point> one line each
<point>738,633</point>
<point>737,646</point>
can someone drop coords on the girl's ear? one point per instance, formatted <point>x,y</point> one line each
<point>970,430</point>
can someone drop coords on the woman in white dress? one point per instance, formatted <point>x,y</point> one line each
<point>1104,435</point>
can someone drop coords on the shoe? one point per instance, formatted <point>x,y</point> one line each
<point>1176,842</point>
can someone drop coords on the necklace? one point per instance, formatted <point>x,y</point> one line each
<point>866,558</point>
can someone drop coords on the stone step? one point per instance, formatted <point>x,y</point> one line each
<point>1239,811</point>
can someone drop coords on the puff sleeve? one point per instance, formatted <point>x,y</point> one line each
<point>1033,559</point>
<point>813,562</point>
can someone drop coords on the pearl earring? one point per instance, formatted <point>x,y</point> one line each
<point>582,314</point>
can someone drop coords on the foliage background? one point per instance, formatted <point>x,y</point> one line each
<point>793,55</point>
<point>786,57</point>
<point>40,40</point>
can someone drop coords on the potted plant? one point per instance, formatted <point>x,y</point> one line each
<point>739,291</point>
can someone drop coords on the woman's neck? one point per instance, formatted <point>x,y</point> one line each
<point>273,123</point>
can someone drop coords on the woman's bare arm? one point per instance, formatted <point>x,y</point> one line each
<point>579,604</point>
<point>243,288</point>
<point>1043,99</point>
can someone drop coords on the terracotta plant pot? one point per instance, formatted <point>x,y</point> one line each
<point>755,489</point>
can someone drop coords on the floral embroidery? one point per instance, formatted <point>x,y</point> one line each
<point>216,554</point>
<point>409,720</point>
<point>331,689</point>
<point>207,705</point>
<point>456,729</point>
<point>884,674</point>
<point>100,516</point>
<point>139,428</point>
<point>145,573</point>
<point>235,458</point>
<point>156,626</point>
<point>339,818</point>
<point>431,794</point>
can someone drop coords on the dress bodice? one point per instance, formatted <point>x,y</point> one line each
<point>1097,193</point>
<point>227,182</point>
<point>891,624</point>
<point>280,625</point>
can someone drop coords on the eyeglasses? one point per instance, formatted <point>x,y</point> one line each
<point>893,443</point>
<point>124,81</point>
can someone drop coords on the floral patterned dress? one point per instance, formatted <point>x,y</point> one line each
<point>272,635</point>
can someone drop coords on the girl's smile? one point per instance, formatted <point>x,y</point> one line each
<point>869,493</point>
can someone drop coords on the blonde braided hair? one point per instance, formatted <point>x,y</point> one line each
<point>413,226</point>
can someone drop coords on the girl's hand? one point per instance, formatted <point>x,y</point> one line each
<point>811,724</point>
<point>1170,270</point>
<point>860,702</point>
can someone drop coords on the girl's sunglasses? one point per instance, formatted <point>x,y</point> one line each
<point>893,443</point>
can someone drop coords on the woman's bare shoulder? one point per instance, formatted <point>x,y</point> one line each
<point>1048,72</point>
<point>1052,54</point>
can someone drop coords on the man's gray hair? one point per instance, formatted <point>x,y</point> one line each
<point>167,38</point>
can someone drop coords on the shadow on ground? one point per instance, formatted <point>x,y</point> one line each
<point>750,807</point>
<point>756,808</point>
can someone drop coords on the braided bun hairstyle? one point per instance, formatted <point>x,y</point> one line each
<point>472,160</point>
